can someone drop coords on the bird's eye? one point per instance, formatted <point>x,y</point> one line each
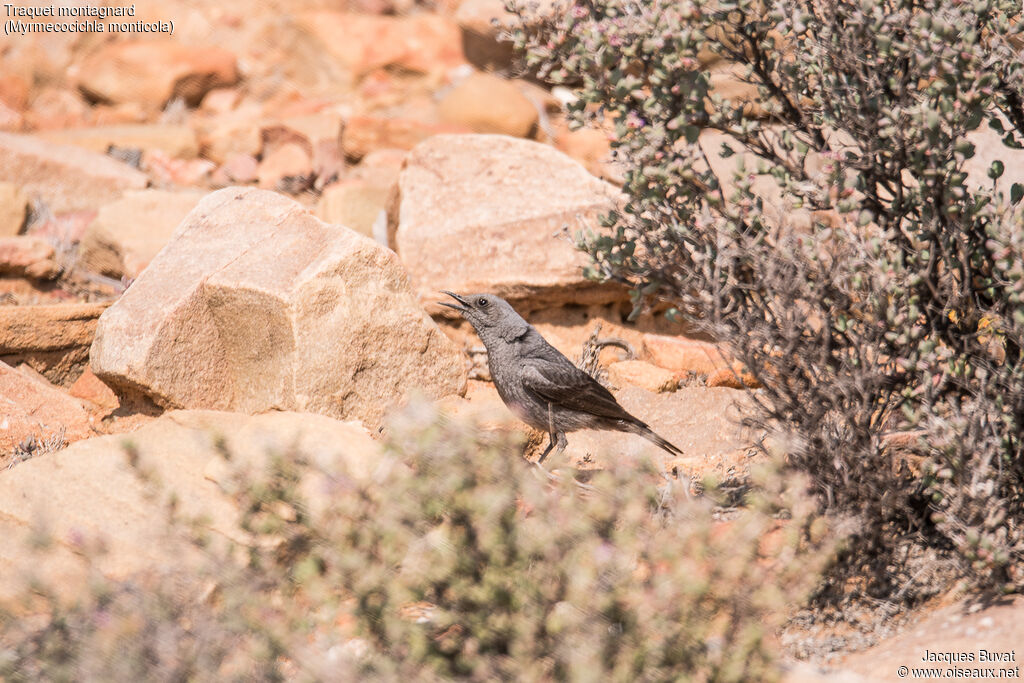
<point>481,302</point>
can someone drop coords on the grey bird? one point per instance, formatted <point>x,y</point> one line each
<point>539,384</point>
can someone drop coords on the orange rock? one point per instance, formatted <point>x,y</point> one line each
<point>91,388</point>
<point>221,100</point>
<point>365,134</point>
<point>238,169</point>
<point>361,42</point>
<point>30,407</point>
<point>13,209</point>
<point>971,625</point>
<point>684,355</point>
<point>353,203</point>
<point>28,256</point>
<point>485,103</point>
<point>13,91</point>
<point>727,81</point>
<point>235,132</point>
<point>592,148</point>
<point>154,72</point>
<point>10,120</point>
<point>642,374</point>
<point>319,135</point>
<point>52,339</point>
<point>381,166</point>
<point>168,170</point>
<point>306,130</point>
<point>287,162</point>
<point>118,114</point>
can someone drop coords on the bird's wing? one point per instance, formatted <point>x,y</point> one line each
<point>567,386</point>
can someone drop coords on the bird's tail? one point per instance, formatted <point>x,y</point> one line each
<point>643,430</point>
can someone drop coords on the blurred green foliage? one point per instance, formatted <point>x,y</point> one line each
<point>453,559</point>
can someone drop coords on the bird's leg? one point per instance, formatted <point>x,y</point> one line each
<point>551,444</point>
<point>562,441</point>
<point>552,440</point>
<point>539,466</point>
<point>552,437</point>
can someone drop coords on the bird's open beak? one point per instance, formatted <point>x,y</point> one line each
<point>461,309</point>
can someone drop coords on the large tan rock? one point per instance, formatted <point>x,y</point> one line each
<point>989,631</point>
<point>421,43</point>
<point>154,72</point>
<point>66,177</point>
<point>475,213</point>
<point>128,233</point>
<point>52,339</point>
<point>33,409</point>
<point>175,140</point>
<point>116,491</point>
<point>255,304</point>
<point>13,209</point>
<point>485,103</point>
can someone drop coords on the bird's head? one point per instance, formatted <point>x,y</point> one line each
<point>490,316</point>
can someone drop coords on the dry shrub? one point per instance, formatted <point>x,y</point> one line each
<point>881,308</point>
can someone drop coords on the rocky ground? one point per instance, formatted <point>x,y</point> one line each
<point>243,229</point>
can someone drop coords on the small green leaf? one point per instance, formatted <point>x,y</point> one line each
<point>1016,193</point>
<point>996,169</point>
